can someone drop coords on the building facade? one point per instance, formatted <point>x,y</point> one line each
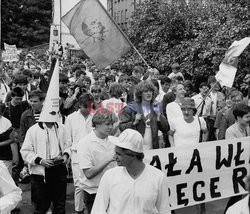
<point>122,10</point>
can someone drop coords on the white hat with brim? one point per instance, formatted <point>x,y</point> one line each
<point>129,139</point>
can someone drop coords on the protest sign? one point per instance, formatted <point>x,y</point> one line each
<point>203,172</point>
<point>10,53</point>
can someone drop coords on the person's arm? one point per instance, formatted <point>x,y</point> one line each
<point>23,128</point>
<point>27,149</point>
<point>171,137</point>
<point>127,119</point>
<point>162,123</point>
<point>6,142</point>
<point>222,129</point>
<point>6,138</point>
<point>99,167</point>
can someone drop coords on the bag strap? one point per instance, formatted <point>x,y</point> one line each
<point>201,132</point>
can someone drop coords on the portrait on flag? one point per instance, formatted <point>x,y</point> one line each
<point>96,33</point>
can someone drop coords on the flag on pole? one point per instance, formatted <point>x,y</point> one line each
<point>228,67</point>
<point>96,32</point>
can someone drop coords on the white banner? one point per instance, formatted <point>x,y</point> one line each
<point>10,54</point>
<point>203,172</point>
<point>7,47</point>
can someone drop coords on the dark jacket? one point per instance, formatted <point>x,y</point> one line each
<point>127,117</point>
<point>27,120</point>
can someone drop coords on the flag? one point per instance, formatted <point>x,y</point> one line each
<point>96,32</point>
<point>228,67</point>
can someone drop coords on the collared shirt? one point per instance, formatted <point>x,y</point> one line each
<point>52,148</point>
<point>91,151</point>
<point>207,107</point>
<point>120,193</point>
<point>78,127</point>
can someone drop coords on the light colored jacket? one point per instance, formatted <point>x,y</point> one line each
<point>34,146</point>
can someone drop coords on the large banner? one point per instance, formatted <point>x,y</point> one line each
<point>203,172</point>
<point>10,53</point>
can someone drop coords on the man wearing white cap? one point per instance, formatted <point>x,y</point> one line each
<point>132,187</point>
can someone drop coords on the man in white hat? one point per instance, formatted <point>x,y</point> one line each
<point>133,186</point>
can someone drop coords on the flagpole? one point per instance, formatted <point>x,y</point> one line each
<point>203,99</point>
<point>123,34</point>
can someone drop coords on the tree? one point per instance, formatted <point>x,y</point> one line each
<point>26,23</point>
<point>194,35</point>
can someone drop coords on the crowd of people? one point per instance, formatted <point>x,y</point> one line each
<point>107,119</point>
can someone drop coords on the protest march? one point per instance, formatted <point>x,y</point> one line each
<point>126,136</point>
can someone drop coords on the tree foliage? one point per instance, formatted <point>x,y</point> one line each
<point>194,35</point>
<point>26,23</point>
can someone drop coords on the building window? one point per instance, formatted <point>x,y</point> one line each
<point>125,15</point>
<point>118,16</point>
<point>122,16</point>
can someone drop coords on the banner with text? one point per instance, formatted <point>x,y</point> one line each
<point>10,54</point>
<point>203,172</point>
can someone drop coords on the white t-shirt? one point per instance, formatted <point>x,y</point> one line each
<point>234,132</point>
<point>187,133</point>
<point>173,110</point>
<point>5,124</point>
<point>91,151</point>
<point>119,193</point>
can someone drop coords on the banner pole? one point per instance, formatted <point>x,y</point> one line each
<point>203,99</point>
<point>123,34</point>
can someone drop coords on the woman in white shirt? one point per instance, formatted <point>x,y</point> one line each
<point>185,129</point>
<point>173,109</point>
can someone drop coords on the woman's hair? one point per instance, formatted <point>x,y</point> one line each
<point>139,156</point>
<point>115,90</point>
<point>103,116</point>
<point>142,87</point>
<point>156,84</point>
